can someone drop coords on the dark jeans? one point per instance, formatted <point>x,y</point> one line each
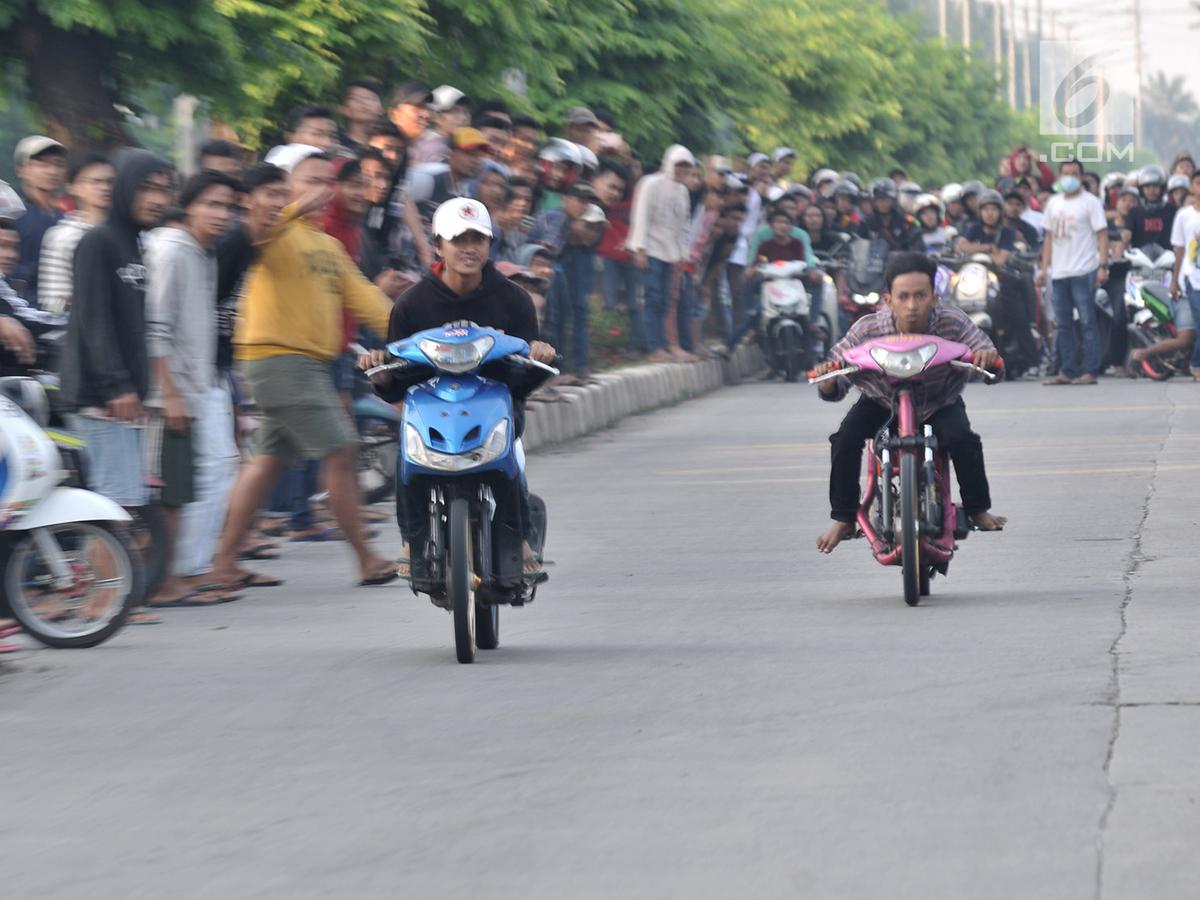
<point>623,279</point>
<point>1070,294</point>
<point>1018,301</point>
<point>293,492</point>
<point>656,281</point>
<point>953,431</point>
<point>579,264</point>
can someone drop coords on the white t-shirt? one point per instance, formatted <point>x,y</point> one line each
<point>1185,233</point>
<point>1072,222</point>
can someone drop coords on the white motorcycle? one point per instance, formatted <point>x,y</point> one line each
<point>69,573</point>
<point>785,329</point>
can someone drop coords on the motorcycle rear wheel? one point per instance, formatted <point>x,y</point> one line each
<point>459,580</point>
<point>910,528</point>
<point>100,557</point>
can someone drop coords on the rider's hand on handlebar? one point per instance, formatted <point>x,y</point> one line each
<point>372,359</point>
<point>540,351</point>
<point>987,359</point>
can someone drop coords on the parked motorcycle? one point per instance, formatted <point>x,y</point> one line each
<point>907,513</point>
<point>786,330</point>
<point>1148,305</point>
<point>974,287</point>
<point>461,448</point>
<point>70,574</point>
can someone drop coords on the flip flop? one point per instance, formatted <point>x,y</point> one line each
<point>143,618</point>
<point>383,577</point>
<point>257,580</point>
<point>192,599</point>
<point>259,554</point>
<point>10,630</point>
<point>9,648</point>
<point>318,537</point>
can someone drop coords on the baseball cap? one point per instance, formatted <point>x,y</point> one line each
<point>594,215</point>
<point>469,139</point>
<point>719,164</point>
<point>34,145</point>
<point>755,158</point>
<point>445,98</point>
<point>11,205</point>
<point>582,190</point>
<point>288,156</point>
<point>782,152</point>
<point>512,270</point>
<point>460,215</point>
<point>581,115</point>
<point>416,93</point>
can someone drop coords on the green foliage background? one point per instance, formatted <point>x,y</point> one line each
<point>844,83</point>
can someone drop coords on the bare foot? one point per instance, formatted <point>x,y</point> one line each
<point>985,521</point>
<point>837,533</point>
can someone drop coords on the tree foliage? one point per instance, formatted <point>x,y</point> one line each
<point>842,83</point>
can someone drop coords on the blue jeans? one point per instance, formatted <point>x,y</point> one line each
<point>1070,294</point>
<point>579,264</point>
<point>1193,299</point>
<point>656,281</point>
<point>624,278</point>
<point>293,492</point>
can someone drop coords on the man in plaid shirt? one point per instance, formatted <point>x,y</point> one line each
<point>910,307</point>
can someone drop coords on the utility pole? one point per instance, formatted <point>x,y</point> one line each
<point>966,24</point>
<point>1137,65</point>
<point>1027,88</point>
<point>942,21</point>
<point>996,39</point>
<point>1012,55</point>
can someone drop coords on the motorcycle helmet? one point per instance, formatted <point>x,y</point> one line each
<point>1112,181</point>
<point>971,188</point>
<point>800,190</point>
<point>29,395</point>
<point>952,192</point>
<point>846,188</point>
<point>588,161</point>
<point>1151,175</point>
<point>993,197</point>
<point>1175,182</point>
<point>559,153</point>
<point>1131,180</point>
<point>884,187</point>
<point>910,187</point>
<point>853,179</point>
<point>925,201</point>
<point>824,180</point>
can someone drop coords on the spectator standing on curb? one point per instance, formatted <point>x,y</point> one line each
<point>1074,257</point>
<point>105,366</point>
<point>658,231</point>
<point>90,184</point>
<point>289,332</point>
<point>193,425</point>
<point>41,164</point>
<point>362,112</point>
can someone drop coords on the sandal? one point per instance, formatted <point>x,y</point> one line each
<point>257,580</point>
<point>143,618</point>
<point>10,630</point>
<point>383,575</point>
<point>193,599</point>
<point>9,648</point>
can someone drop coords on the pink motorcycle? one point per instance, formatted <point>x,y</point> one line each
<point>913,525</point>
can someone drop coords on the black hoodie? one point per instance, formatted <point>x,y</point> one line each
<point>497,303</point>
<point>105,353</point>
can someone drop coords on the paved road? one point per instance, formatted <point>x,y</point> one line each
<point>698,705</point>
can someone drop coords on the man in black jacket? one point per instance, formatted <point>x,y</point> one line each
<point>106,369</point>
<point>463,286</point>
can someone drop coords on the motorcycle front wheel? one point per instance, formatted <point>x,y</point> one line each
<point>460,580</point>
<point>791,351</point>
<point>910,528</point>
<point>84,603</point>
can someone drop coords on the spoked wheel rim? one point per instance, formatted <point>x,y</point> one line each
<point>99,589</point>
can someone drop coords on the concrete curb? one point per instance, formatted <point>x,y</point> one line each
<point>630,392</point>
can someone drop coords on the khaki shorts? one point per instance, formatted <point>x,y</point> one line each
<point>302,416</point>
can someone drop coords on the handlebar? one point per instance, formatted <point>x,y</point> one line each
<point>814,378</point>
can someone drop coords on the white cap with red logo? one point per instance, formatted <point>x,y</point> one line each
<point>460,215</point>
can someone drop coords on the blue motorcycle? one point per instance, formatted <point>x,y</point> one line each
<point>459,446</point>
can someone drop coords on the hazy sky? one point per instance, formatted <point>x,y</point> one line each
<point>1168,42</point>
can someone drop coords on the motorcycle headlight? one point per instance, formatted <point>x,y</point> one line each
<point>906,363</point>
<point>972,283</point>
<point>493,448</point>
<point>457,358</point>
<point>870,299</point>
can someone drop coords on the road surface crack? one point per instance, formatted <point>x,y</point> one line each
<point>1133,563</point>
